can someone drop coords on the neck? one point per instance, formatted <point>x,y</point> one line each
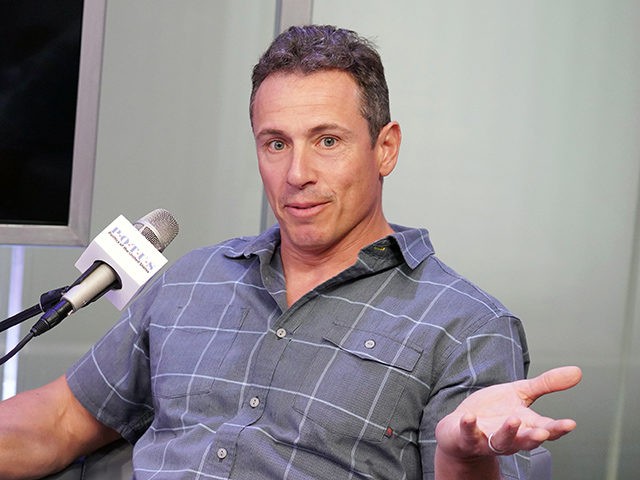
<point>306,269</point>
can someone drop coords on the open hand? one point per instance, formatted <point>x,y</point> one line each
<point>501,413</point>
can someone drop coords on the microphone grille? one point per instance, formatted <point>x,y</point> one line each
<point>159,227</point>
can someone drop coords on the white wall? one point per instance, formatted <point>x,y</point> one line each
<point>520,155</point>
<point>173,133</point>
<point>521,151</point>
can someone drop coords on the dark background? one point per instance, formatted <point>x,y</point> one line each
<point>39,64</point>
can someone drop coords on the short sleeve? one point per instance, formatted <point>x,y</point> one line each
<point>492,351</point>
<point>112,379</point>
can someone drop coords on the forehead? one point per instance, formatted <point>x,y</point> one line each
<point>328,93</point>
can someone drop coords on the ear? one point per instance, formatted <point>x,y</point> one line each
<point>388,147</point>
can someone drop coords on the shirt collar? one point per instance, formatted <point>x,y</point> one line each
<point>412,243</point>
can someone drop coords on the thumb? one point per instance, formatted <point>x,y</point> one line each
<point>554,380</point>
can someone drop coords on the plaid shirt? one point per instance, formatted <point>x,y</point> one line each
<point>214,377</point>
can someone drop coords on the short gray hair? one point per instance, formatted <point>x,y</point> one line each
<point>313,48</point>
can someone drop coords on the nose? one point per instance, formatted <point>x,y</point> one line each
<point>301,171</point>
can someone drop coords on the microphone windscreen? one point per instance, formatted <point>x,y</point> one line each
<point>159,227</point>
<point>131,251</point>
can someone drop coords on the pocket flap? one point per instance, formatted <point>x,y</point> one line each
<point>373,346</point>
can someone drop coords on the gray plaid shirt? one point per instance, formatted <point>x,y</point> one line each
<point>214,377</point>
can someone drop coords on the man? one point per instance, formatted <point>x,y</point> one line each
<point>334,345</point>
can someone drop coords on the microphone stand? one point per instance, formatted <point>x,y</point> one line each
<point>47,300</point>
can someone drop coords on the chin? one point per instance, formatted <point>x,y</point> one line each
<point>308,240</point>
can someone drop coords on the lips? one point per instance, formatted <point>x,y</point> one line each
<point>304,209</point>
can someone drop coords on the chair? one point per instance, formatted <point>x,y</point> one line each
<point>113,462</point>
<point>541,463</point>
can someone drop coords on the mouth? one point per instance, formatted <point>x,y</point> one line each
<point>304,209</point>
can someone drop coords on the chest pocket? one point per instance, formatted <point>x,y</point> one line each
<point>353,387</point>
<point>189,350</point>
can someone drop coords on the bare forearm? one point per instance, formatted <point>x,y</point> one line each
<point>43,430</point>
<point>24,455</point>
<point>28,443</point>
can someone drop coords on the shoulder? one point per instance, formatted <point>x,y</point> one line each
<point>461,287</point>
<point>439,286</point>
<point>227,260</point>
<point>232,248</point>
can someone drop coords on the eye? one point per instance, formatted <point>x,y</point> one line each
<point>276,145</point>
<point>329,142</point>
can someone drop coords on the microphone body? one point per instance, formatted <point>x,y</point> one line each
<point>96,281</point>
<point>117,264</point>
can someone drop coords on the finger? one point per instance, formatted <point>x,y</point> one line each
<point>532,438</point>
<point>473,441</point>
<point>554,380</point>
<point>559,428</point>
<point>503,440</point>
<point>529,438</point>
<point>469,428</point>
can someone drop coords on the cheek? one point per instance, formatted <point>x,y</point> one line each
<point>269,176</point>
<point>262,169</point>
<point>362,182</point>
<point>364,192</point>
<point>355,192</point>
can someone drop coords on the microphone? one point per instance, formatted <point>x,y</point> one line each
<point>117,264</point>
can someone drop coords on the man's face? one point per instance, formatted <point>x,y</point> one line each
<point>321,174</point>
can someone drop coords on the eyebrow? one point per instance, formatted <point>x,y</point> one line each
<point>269,132</point>
<point>312,131</point>
<point>327,126</point>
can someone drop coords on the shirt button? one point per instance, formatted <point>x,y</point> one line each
<point>222,453</point>
<point>281,333</point>
<point>254,402</point>
<point>370,343</point>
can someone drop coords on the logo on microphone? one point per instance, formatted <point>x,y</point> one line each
<point>132,257</point>
<point>135,252</point>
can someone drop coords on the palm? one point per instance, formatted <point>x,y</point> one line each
<point>504,409</point>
